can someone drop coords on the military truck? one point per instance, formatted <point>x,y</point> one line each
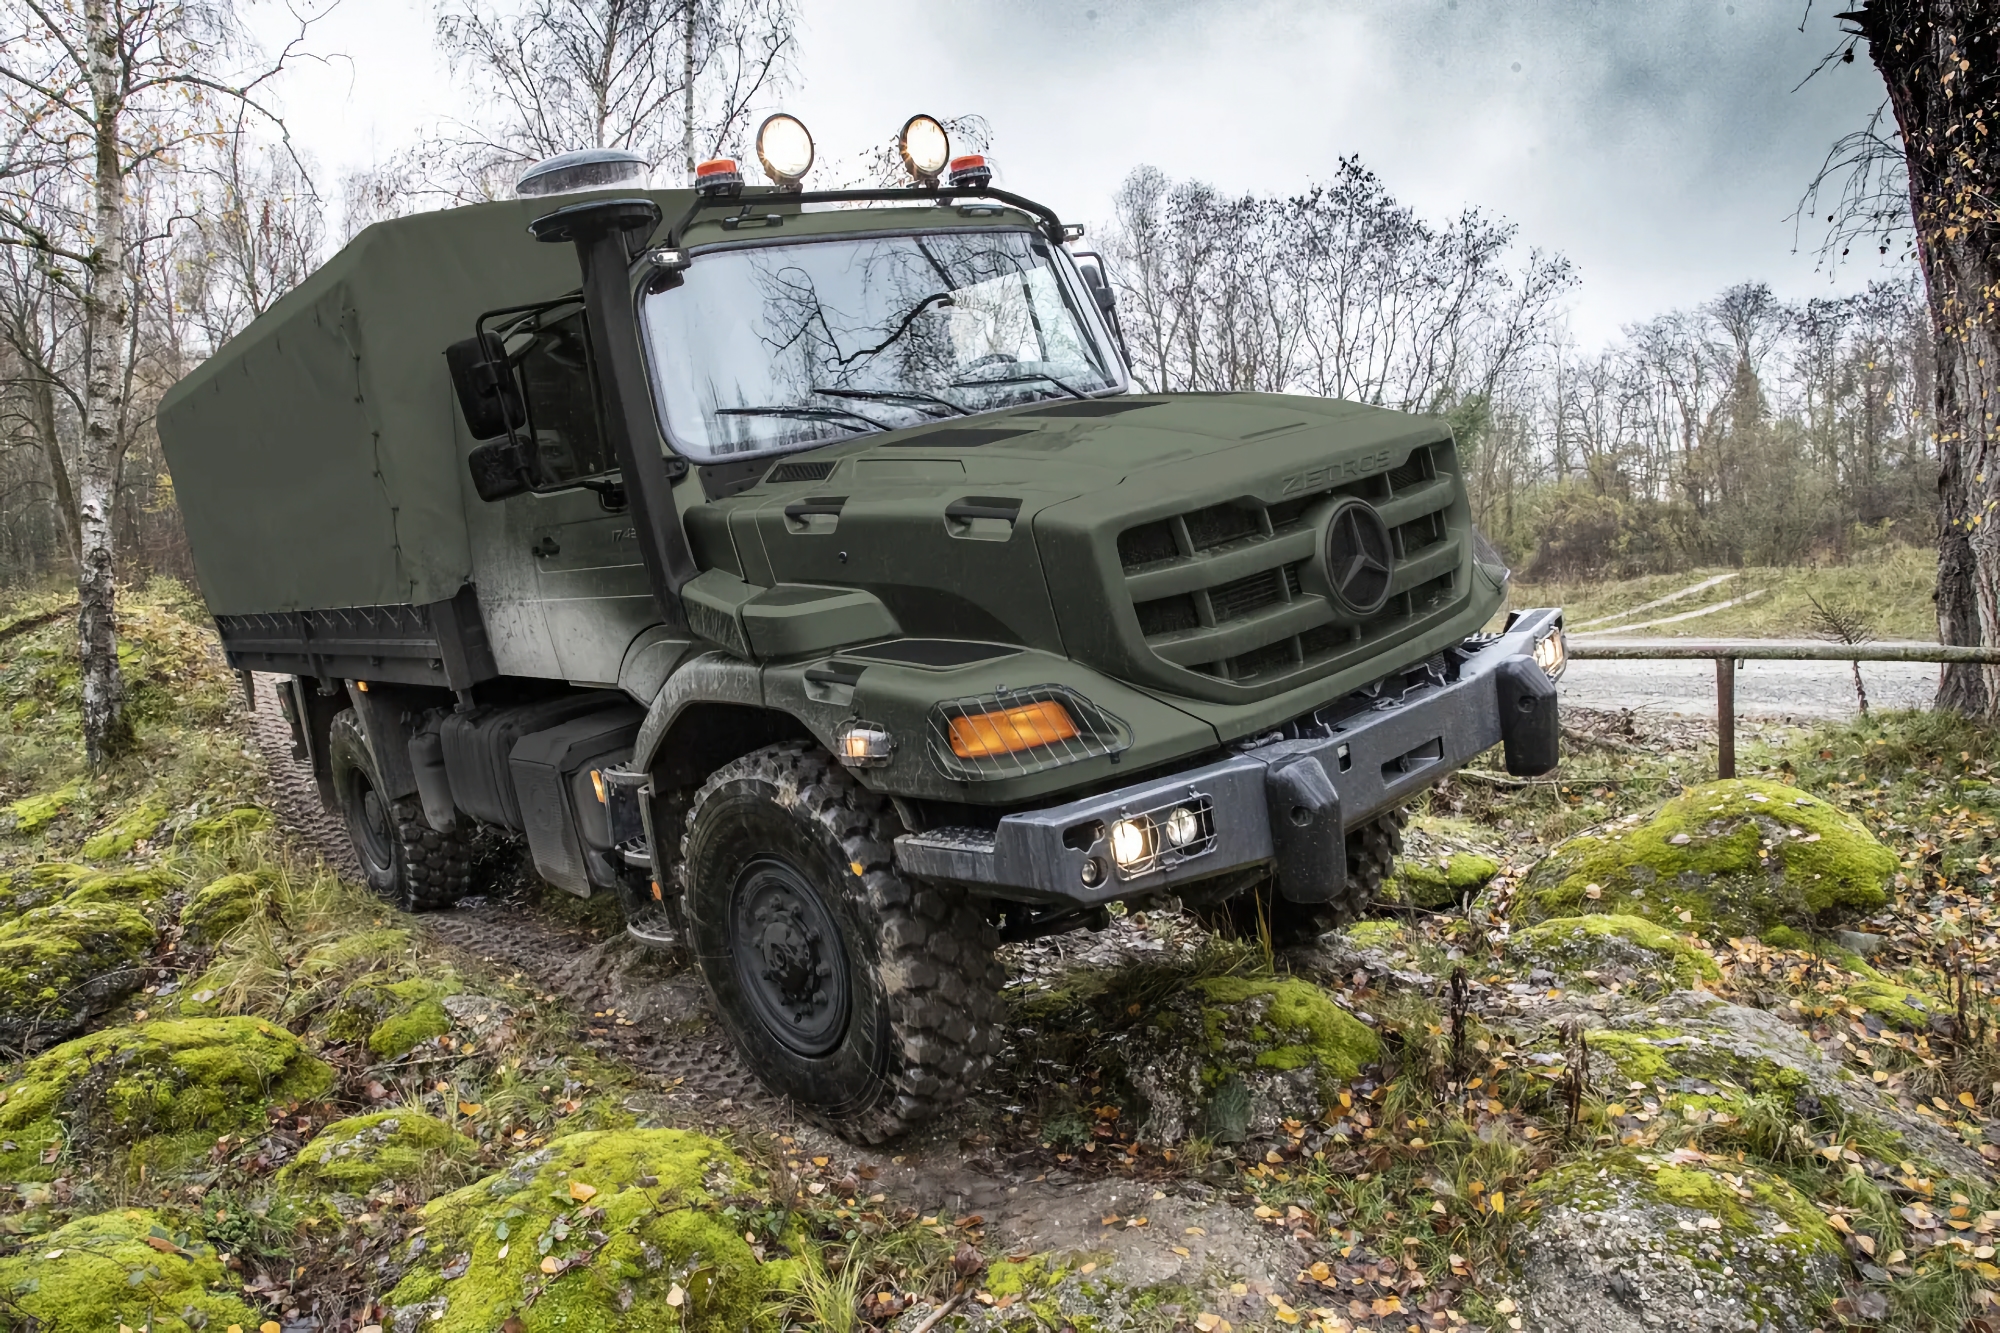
<point>804,569</point>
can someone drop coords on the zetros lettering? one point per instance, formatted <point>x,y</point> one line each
<point>1330,473</point>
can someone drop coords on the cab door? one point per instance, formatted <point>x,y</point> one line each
<point>592,585</point>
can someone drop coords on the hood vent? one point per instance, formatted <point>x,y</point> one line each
<point>800,470</point>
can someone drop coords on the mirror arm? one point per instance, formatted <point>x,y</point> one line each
<point>606,233</point>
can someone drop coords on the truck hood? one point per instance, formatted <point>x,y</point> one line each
<point>1174,540</point>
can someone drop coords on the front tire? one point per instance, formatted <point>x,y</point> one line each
<point>404,859</point>
<point>872,1002</point>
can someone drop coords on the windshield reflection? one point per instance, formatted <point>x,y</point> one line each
<point>779,347</point>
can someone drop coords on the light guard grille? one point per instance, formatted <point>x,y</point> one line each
<point>1161,854</point>
<point>1099,733</point>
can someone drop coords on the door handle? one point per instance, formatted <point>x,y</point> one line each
<point>546,546</point>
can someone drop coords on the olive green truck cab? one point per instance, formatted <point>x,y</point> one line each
<point>803,569</point>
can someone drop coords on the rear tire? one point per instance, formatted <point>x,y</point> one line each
<point>871,1001</point>
<point>1371,855</point>
<point>404,859</point>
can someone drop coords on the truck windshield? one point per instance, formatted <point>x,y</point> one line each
<point>779,347</point>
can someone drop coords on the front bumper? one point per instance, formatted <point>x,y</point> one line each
<point>1286,804</point>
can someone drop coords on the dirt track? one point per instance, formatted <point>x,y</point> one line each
<point>953,1169</point>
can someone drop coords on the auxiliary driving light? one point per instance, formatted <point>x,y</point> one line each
<point>1552,654</point>
<point>864,745</point>
<point>785,148</point>
<point>718,176</point>
<point>1130,843</point>
<point>925,148</point>
<point>1181,827</point>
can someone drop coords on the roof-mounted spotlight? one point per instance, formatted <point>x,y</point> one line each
<point>785,148</point>
<point>925,149</point>
<point>585,169</point>
<point>971,172</point>
<point>718,176</point>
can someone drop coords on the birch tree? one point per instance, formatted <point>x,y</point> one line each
<point>102,96</point>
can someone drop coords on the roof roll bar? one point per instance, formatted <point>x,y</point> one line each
<point>1052,225</point>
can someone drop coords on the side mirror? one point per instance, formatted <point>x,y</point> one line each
<point>1095,278</point>
<point>498,470</point>
<point>487,394</point>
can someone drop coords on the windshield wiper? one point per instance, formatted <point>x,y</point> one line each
<point>1032,377</point>
<point>894,396</point>
<point>801,410</point>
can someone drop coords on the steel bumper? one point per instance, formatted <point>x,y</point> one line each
<point>1287,805</point>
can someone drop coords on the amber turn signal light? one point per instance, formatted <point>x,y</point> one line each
<point>1007,730</point>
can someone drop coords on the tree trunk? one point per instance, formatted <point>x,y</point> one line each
<point>689,19</point>
<point>1941,62</point>
<point>107,312</point>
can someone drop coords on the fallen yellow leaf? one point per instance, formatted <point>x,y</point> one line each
<point>470,1108</point>
<point>550,1263</point>
<point>581,1192</point>
<point>675,1296</point>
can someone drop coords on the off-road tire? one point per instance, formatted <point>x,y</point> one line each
<point>404,859</point>
<point>1372,850</point>
<point>786,838</point>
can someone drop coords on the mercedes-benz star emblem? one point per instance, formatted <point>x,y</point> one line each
<point>1360,558</point>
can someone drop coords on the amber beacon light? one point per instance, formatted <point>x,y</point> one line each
<point>1010,730</point>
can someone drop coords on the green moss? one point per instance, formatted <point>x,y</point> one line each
<point>1304,1024</point>
<point>1750,855</point>
<point>104,1272</point>
<point>1427,884</point>
<point>391,1018</point>
<point>1897,1006</point>
<point>31,813</point>
<point>407,1151</point>
<point>365,948</point>
<point>218,908</point>
<point>39,885</point>
<point>1599,942</point>
<point>1374,934</point>
<point>1784,937</point>
<point>143,887</point>
<point>161,1092</point>
<point>230,823</point>
<point>65,964</point>
<point>653,1221</point>
<point>1008,1278</point>
<point>126,832</point>
<point>1743,1198</point>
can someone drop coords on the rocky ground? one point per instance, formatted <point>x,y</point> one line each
<point>1622,1049</point>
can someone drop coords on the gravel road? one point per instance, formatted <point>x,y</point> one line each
<point>1763,689</point>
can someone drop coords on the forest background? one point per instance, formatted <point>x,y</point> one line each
<point>1736,429</point>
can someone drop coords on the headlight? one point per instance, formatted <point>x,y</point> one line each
<point>1129,843</point>
<point>785,148</point>
<point>924,147</point>
<point>1180,826</point>
<point>1552,654</point>
<point>1012,733</point>
<point>1004,731</point>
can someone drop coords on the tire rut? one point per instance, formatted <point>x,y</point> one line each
<point>666,1028</point>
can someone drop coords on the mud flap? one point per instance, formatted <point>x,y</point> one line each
<point>1309,844</point>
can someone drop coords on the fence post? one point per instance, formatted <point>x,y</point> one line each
<point>1725,717</point>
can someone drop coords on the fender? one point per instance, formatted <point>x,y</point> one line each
<point>712,677</point>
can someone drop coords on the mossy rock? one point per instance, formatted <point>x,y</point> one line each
<point>1235,1056</point>
<point>39,885</point>
<point>1896,1006</point>
<point>407,1153</point>
<point>122,1269</point>
<point>1429,885</point>
<point>235,823</point>
<point>160,1092</point>
<point>1628,949</point>
<point>31,814</point>
<point>125,832</point>
<point>63,965</point>
<point>626,1216</point>
<point>218,908</point>
<point>1377,934</point>
<point>143,888</point>
<point>1612,1237</point>
<point>391,1018</point>
<point>1735,857</point>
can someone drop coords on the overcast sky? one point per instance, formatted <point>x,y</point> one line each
<point>1657,143</point>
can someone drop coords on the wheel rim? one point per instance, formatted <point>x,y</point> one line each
<point>788,957</point>
<point>370,825</point>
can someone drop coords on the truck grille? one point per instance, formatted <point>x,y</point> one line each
<point>1229,590</point>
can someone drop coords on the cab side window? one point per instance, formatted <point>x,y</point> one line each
<point>565,426</point>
